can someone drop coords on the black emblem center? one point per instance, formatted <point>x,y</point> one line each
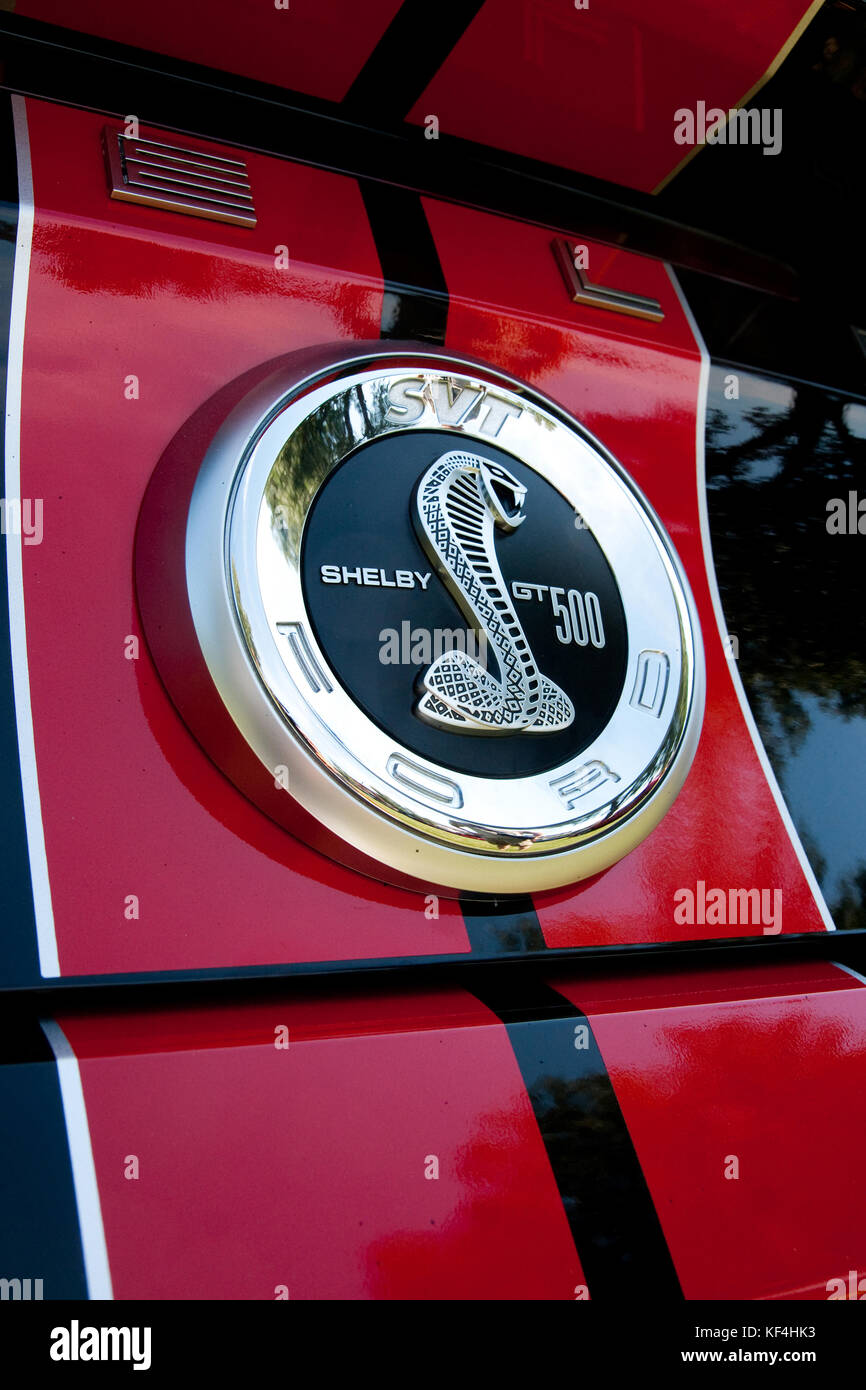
<point>463,604</point>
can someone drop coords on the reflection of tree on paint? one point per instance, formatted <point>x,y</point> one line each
<point>848,903</point>
<point>790,589</point>
<point>849,909</point>
<point>843,61</point>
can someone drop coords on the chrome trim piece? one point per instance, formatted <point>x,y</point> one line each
<point>583,291</point>
<point>178,179</point>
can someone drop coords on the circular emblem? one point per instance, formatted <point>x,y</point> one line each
<point>425,620</point>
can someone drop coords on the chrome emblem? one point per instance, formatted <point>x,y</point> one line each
<point>431,624</point>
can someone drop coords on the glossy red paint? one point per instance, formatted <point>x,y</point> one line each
<point>588,87</point>
<point>766,1066</point>
<point>131,805</point>
<point>305,1166</point>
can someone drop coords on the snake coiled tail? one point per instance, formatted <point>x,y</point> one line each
<point>459,505</point>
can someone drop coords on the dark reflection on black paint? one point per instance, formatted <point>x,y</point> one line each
<point>793,597</point>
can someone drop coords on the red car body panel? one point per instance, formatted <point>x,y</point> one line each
<point>169,829</point>
<point>403,1109</point>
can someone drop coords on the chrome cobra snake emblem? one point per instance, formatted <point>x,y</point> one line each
<point>459,503</point>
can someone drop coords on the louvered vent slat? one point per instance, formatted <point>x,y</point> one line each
<point>178,179</point>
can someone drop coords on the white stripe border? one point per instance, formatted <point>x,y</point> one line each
<point>46,940</point>
<point>94,1249</point>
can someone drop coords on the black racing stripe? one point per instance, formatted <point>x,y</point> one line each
<point>613,1222</point>
<point>39,1233</point>
<point>407,57</point>
<point>502,926</point>
<point>20,963</point>
<point>415,304</point>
